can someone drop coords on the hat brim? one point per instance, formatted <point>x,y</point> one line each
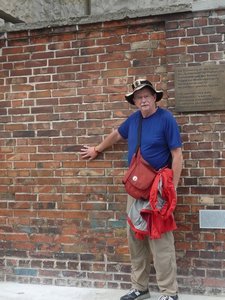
<point>130,96</point>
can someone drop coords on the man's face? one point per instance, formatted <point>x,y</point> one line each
<point>145,100</point>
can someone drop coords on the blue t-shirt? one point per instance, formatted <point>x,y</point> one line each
<point>160,134</point>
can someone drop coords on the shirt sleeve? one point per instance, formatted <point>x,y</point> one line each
<point>173,133</point>
<point>124,129</point>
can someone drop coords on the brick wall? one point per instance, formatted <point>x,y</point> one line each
<point>195,40</point>
<point>63,219</point>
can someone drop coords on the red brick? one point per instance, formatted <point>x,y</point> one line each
<point>200,22</point>
<point>39,78</point>
<point>61,91</point>
<point>175,33</point>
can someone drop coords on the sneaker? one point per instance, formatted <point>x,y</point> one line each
<point>136,294</point>
<point>168,297</point>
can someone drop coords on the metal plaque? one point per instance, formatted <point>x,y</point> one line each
<point>200,88</point>
<point>212,218</point>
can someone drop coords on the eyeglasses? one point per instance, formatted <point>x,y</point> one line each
<point>139,98</point>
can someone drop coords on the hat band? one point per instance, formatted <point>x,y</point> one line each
<point>139,82</point>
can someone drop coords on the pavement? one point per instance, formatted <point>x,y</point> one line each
<point>19,291</point>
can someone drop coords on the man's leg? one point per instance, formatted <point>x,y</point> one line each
<point>141,257</point>
<point>164,260</point>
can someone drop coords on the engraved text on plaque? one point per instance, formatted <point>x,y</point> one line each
<point>200,88</point>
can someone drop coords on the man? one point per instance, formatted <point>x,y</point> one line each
<point>160,147</point>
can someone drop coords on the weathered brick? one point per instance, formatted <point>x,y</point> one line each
<point>63,219</point>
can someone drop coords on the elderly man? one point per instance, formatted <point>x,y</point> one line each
<point>160,147</point>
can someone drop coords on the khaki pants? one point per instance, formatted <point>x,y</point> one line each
<point>159,251</point>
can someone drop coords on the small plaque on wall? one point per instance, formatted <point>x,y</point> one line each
<point>212,218</point>
<point>200,88</point>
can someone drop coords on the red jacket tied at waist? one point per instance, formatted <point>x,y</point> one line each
<point>155,217</point>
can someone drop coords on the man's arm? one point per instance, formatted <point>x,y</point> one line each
<point>92,152</point>
<point>177,163</point>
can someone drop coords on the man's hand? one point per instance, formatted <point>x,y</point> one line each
<point>88,152</point>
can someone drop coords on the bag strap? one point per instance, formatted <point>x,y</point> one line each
<point>139,135</point>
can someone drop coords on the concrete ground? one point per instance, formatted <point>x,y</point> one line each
<point>12,291</point>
